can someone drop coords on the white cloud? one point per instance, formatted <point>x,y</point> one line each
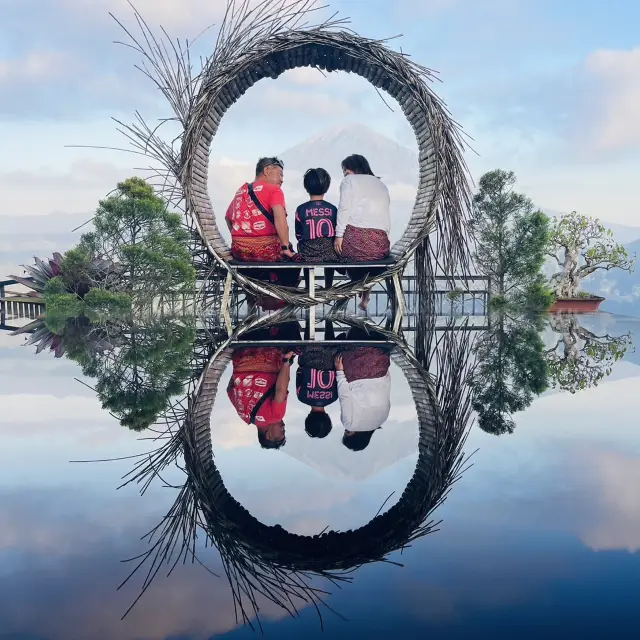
<point>312,104</point>
<point>617,73</point>
<point>306,76</point>
<point>77,188</point>
<point>402,192</point>
<point>182,15</point>
<point>37,65</point>
<point>614,480</point>
<point>169,13</point>
<point>38,408</point>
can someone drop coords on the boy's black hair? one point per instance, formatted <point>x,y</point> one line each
<point>358,164</point>
<point>263,163</point>
<point>318,424</point>
<point>358,441</point>
<point>317,182</point>
<point>265,443</point>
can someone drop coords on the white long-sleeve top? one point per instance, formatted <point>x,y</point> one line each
<point>364,203</point>
<point>364,404</point>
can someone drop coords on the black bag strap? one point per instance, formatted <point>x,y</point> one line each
<point>267,214</point>
<point>265,397</point>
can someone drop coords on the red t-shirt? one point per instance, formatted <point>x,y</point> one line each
<point>247,390</point>
<point>247,219</point>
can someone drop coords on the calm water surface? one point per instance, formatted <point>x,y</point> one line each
<point>540,534</point>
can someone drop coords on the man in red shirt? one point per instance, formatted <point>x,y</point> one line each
<point>258,390</point>
<point>257,216</point>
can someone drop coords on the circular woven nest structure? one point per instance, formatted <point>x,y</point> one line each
<point>439,460</point>
<point>264,42</point>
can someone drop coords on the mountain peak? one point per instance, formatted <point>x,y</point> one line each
<point>389,159</point>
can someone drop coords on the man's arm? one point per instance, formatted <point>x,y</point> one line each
<point>282,226</point>
<point>282,382</point>
<point>277,206</point>
<point>298,226</point>
<point>227,217</point>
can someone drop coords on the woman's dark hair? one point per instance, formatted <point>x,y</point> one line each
<point>358,441</point>
<point>265,443</point>
<point>318,424</point>
<point>317,182</point>
<point>357,164</point>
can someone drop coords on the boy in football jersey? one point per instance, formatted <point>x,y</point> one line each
<point>316,222</point>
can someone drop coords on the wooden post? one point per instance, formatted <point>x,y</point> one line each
<point>225,303</point>
<point>400,307</point>
<point>3,306</point>
<point>312,310</point>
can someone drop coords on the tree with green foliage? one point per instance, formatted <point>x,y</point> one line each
<point>137,367</point>
<point>134,230</point>
<point>581,246</point>
<point>510,370</point>
<point>97,305</point>
<point>511,241</point>
<point>580,359</point>
<point>136,255</point>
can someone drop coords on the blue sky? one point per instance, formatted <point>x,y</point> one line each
<point>550,90</point>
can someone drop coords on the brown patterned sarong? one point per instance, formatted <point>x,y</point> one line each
<point>263,249</point>
<point>365,363</point>
<point>259,249</point>
<point>252,359</point>
<point>364,245</point>
<point>318,250</point>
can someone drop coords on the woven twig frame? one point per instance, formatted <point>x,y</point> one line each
<point>265,42</point>
<point>439,464</point>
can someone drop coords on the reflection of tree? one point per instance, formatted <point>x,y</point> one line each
<point>510,370</point>
<point>137,366</point>
<point>580,358</point>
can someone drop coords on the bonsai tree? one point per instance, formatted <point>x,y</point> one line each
<point>511,239</point>
<point>580,358</point>
<point>581,246</point>
<point>510,370</point>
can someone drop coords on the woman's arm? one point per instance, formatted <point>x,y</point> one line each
<point>344,207</point>
<point>346,401</point>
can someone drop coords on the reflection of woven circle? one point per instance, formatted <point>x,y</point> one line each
<point>332,550</point>
<point>441,169</point>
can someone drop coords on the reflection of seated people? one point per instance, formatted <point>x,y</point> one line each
<point>259,384</point>
<point>317,387</point>
<point>258,390</point>
<point>364,390</point>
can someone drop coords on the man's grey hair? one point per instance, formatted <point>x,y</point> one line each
<point>263,163</point>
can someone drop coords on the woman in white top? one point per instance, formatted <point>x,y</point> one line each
<point>364,219</point>
<point>364,392</point>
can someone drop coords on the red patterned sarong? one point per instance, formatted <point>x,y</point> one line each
<point>365,245</point>
<point>365,363</point>
<point>259,249</point>
<point>254,359</point>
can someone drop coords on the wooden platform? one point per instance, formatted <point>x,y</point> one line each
<point>237,264</point>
